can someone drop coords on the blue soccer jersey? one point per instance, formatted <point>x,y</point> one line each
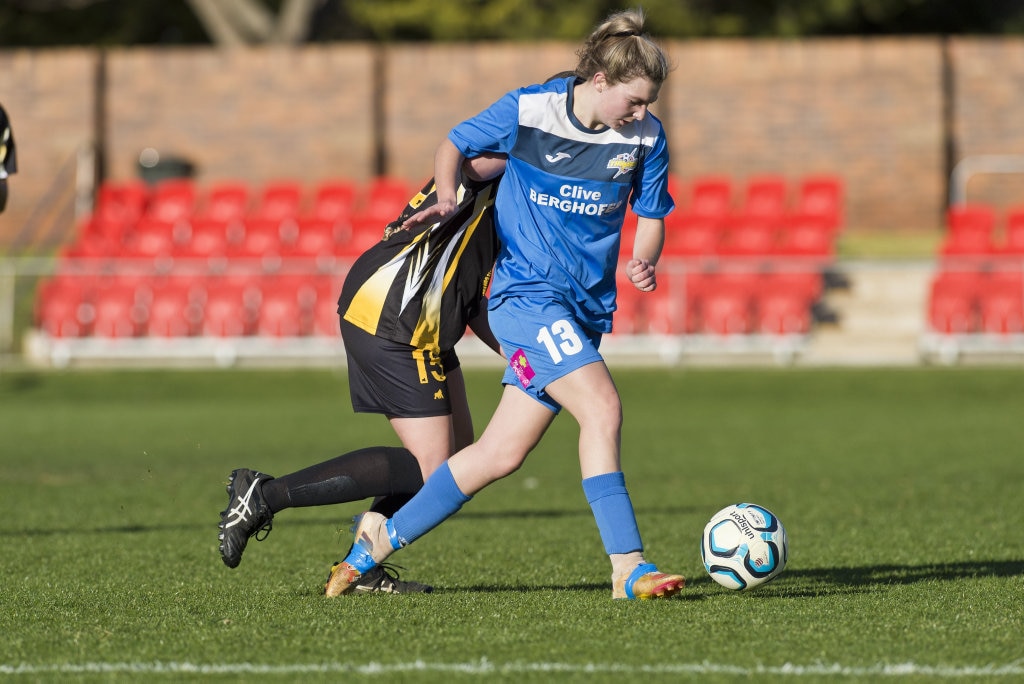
<point>562,202</point>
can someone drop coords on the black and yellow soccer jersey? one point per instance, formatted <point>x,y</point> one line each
<point>422,286</point>
<point>8,159</point>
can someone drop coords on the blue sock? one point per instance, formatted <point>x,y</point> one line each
<point>613,512</point>
<point>439,499</point>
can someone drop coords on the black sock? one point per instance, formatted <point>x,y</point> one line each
<point>389,505</point>
<point>361,474</point>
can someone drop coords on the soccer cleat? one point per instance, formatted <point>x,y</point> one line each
<point>370,531</point>
<point>247,515</point>
<point>341,580</point>
<point>384,580</point>
<point>645,582</point>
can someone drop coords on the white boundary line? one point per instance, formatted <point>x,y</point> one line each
<point>484,666</point>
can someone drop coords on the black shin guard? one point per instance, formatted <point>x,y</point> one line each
<point>361,474</point>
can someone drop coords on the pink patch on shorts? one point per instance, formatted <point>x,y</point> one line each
<point>521,367</point>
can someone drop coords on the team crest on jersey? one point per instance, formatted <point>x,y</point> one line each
<point>622,163</point>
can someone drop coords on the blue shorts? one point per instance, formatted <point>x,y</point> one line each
<point>543,342</point>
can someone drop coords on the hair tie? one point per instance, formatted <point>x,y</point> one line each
<point>623,34</point>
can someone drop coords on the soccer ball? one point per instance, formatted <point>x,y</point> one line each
<point>744,545</point>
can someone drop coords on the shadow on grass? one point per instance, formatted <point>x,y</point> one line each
<point>339,521</point>
<point>869,575</point>
<point>812,582</point>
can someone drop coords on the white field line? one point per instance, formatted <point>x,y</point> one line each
<point>484,667</point>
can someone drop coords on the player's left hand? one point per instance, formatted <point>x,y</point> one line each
<point>641,273</point>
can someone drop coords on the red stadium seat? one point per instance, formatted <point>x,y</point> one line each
<point>279,200</point>
<point>226,201</point>
<point>950,314</point>
<point>207,238</point>
<point>952,302</point>
<point>121,204</point>
<point>260,237</point>
<point>229,309</point>
<point>970,231</point>
<point>666,312</point>
<point>974,218</point>
<point>726,312</point>
<point>334,200</point>
<point>967,243</point>
<point>282,314</point>
<point>710,196</point>
<point>782,313</point>
<point>627,319</point>
<point>708,205</point>
<point>765,197</point>
<point>820,196</point>
<point>748,236</point>
<point>300,289</point>
<point>965,284</point>
<point>91,246</point>
<point>314,238</point>
<point>366,232</point>
<point>64,307</point>
<point>691,236</point>
<point>1013,242</point>
<point>118,311</point>
<point>1002,314</point>
<point>175,309</point>
<point>806,236</point>
<point>172,200</point>
<point>325,317</point>
<point>807,286</point>
<point>151,238</point>
<point>384,199</point>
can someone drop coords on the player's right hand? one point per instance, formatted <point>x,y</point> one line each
<point>431,214</point>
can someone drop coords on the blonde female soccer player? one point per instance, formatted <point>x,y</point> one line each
<point>579,149</point>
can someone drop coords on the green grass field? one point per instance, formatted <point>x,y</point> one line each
<point>900,489</point>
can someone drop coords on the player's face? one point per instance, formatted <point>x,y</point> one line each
<point>625,102</point>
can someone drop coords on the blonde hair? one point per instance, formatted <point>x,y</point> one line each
<point>621,49</point>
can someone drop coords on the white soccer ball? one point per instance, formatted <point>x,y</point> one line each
<point>744,545</point>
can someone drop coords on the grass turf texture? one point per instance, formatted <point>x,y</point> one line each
<point>900,490</point>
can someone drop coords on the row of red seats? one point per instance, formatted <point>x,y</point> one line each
<point>722,302</point>
<point>120,205</point>
<point>979,286</point>
<point>305,237</point>
<point>228,305</point>
<point>179,218</point>
<point>770,197</point>
<point>767,215</point>
<point>977,301</point>
<point>978,230</point>
<point>71,306</point>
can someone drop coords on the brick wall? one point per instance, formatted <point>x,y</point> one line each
<point>50,99</point>
<point>869,110</point>
<point>432,88</point>
<point>252,115</point>
<point>988,115</point>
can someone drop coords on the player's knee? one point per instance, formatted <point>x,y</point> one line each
<point>602,412</point>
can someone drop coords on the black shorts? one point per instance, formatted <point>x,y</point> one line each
<point>396,379</point>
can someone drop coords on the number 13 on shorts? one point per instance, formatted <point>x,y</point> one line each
<point>560,338</point>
